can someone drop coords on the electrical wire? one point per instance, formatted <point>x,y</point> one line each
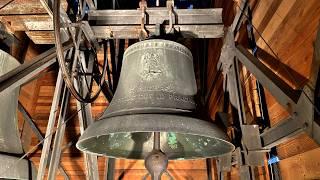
<point>279,59</point>
<point>6,4</point>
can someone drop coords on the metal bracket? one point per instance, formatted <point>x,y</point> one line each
<point>195,23</point>
<point>170,6</point>
<point>143,7</point>
<point>299,103</point>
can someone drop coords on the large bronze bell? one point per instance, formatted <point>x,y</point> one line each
<point>156,85</point>
<point>11,167</point>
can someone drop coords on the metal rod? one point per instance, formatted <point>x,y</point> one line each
<point>110,168</point>
<point>36,130</point>
<point>209,168</point>
<point>156,141</point>
<point>105,55</point>
<point>264,114</point>
<point>25,72</point>
<point>85,119</point>
<point>57,144</point>
<point>50,127</point>
<point>105,88</point>
<point>115,78</point>
<point>91,4</point>
<point>239,16</point>
<point>238,89</point>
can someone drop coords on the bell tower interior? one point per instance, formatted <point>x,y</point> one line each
<point>160,89</point>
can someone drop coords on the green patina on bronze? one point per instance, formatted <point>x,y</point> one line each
<point>172,141</point>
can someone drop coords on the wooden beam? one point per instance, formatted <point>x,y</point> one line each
<point>26,7</point>
<point>41,37</point>
<point>29,22</point>
<point>302,166</point>
<point>23,7</point>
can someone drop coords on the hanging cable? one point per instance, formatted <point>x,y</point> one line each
<point>6,4</point>
<point>264,115</point>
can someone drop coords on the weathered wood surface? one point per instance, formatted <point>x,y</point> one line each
<point>302,166</point>
<point>29,16</point>
<point>290,28</point>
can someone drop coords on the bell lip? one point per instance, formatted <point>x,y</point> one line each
<point>216,133</point>
<point>182,49</point>
<point>18,168</point>
<point>148,110</point>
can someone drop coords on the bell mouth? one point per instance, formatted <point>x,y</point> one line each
<point>131,137</point>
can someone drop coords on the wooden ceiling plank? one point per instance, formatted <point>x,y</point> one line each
<point>41,37</point>
<point>302,166</point>
<point>17,7</point>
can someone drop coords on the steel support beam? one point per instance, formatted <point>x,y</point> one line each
<point>59,134</point>
<point>299,103</point>
<point>126,24</point>
<point>27,71</point>
<point>91,4</point>
<point>109,169</point>
<point>283,132</point>
<point>132,32</point>
<point>50,128</point>
<point>231,71</point>
<point>156,16</point>
<point>36,130</point>
<point>91,161</point>
<point>284,94</point>
<point>85,119</point>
